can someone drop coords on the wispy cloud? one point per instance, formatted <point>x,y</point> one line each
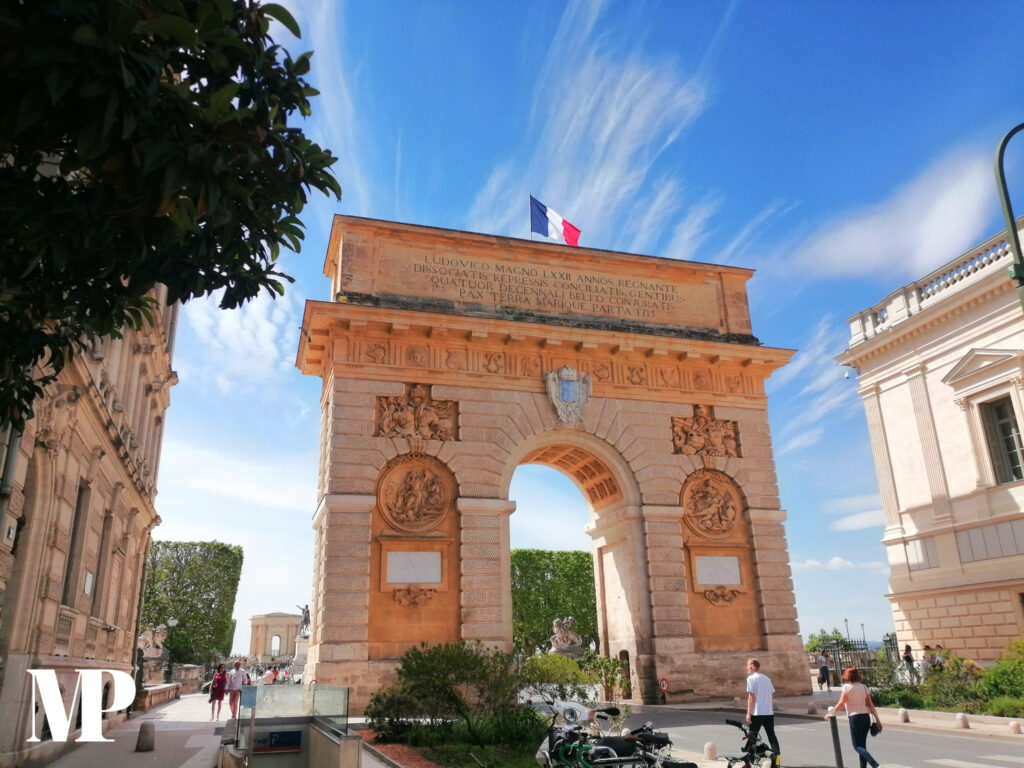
<point>589,151</point>
<point>839,564</point>
<point>871,518</point>
<point>855,513</point>
<point>825,390</point>
<point>235,473</point>
<point>323,25</point>
<point>245,347</point>
<point>933,218</point>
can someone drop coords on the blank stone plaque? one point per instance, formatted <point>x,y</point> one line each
<point>718,570</point>
<point>414,568</point>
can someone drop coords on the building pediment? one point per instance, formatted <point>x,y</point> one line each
<point>982,362</point>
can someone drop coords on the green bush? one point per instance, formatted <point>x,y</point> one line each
<point>390,713</point>
<point>1005,706</point>
<point>957,686</point>
<point>1006,676</point>
<point>610,673</point>
<point>898,695</point>
<point>514,725</point>
<point>550,676</point>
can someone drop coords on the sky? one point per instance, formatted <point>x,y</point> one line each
<point>840,149</point>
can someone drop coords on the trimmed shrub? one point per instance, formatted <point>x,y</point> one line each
<point>1005,706</point>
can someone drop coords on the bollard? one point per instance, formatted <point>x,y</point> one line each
<point>812,708</point>
<point>834,725</point>
<point>961,720</point>
<point>147,738</point>
<point>710,751</point>
<point>903,716</point>
<point>1014,727</point>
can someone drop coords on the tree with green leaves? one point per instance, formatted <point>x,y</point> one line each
<point>825,640</point>
<point>547,586</point>
<point>194,582</point>
<point>142,142</point>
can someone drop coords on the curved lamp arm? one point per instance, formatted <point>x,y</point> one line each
<point>1016,269</point>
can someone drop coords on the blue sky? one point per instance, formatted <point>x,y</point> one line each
<point>840,149</point>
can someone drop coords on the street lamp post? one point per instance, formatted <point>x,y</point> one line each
<point>1016,269</point>
<point>169,670</point>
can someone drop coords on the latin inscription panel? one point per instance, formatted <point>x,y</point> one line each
<point>717,570</point>
<point>660,292</point>
<point>414,568</point>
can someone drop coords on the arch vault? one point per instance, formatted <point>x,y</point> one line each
<point>450,358</point>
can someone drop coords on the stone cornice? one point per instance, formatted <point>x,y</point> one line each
<point>455,350</point>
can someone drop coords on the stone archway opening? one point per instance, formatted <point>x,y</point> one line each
<point>601,479</point>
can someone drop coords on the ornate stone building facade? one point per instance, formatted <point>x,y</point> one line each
<point>77,511</point>
<point>273,637</point>
<point>941,372</point>
<point>448,359</point>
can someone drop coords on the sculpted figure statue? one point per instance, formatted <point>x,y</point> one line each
<point>565,636</point>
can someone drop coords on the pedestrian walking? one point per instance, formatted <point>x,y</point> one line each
<point>760,712</point>
<point>236,679</point>
<point>908,659</point>
<point>857,700</point>
<point>217,686</point>
<point>823,671</point>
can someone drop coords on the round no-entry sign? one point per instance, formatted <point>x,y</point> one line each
<point>663,684</point>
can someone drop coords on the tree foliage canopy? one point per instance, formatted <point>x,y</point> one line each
<point>194,582</point>
<point>826,640</point>
<point>548,586</point>
<point>142,142</point>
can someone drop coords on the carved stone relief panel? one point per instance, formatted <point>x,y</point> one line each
<point>415,493</point>
<point>711,504</point>
<point>417,414</point>
<point>412,597</point>
<point>704,435</point>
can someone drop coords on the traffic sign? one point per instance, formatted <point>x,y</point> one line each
<point>663,684</point>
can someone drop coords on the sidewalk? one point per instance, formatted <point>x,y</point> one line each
<point>185,738</point>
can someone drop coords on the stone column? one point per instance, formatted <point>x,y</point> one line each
<point>883,463</point>
<point>341,586</point>
<point>668,612</point>
<point>933,466</point>
<point>486,588</point>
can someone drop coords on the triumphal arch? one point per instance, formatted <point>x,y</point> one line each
<point>450,358</point>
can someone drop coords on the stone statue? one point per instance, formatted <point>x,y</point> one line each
<point>151,641</point>
<point>304,624</point>
<point>566,641</point>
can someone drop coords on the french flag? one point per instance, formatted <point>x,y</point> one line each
<point>546,222</point>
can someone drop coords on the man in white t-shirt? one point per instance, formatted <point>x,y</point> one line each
<point>237,677</point>
<point>759,706</point>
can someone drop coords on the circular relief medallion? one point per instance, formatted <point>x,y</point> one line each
<point>415,493</point>
<point>711,504</point>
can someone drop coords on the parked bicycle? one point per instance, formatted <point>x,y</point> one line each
<point>584,740</point>
<point>756,754</point>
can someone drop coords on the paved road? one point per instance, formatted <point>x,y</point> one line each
<point>807,743</point>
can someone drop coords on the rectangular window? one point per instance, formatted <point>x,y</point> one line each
<point>1004,441</point>
<point>922,554</point>
<point>991,541</point>
<point>72,566</point>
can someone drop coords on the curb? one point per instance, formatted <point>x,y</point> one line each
<point>381,757</point>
